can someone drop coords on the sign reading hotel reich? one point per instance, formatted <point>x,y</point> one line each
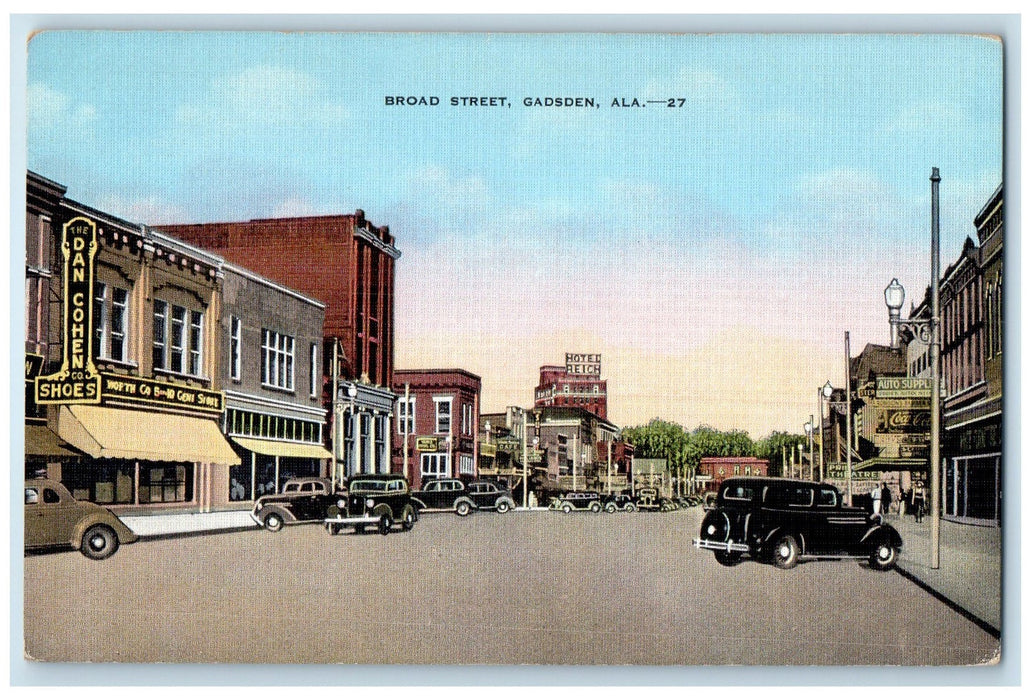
<point>586,364</point>
<point>149,391</point>
<point>77,381</point>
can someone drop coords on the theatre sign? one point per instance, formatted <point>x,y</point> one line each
<point>78,381</point>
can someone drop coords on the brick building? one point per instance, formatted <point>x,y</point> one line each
<point>576,384</point>
<point>271,365</point>
<point>127,391</point>
<point>348,264</point>
<point>437,424</point>
<point>713,470</point>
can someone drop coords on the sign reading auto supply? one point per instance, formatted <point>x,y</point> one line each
<point>77,381</point>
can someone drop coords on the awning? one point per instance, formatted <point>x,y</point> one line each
<point>283,449</point>
<point>118,433</point>
<point>887,464</point>
<point>41,441</point>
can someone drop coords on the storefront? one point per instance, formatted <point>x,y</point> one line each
<point>972,482</point>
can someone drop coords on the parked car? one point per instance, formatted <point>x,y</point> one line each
<point>577,500</point>
<point>648,499</point>
<point>782,520</point>
<point>488,495</point>
<point>455,495</point>
<point>374,499</point>
<point>618,502</point>
<point>302,500</point>
<point>54,518</point>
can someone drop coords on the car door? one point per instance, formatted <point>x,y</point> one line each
<point>483,495</point>
<point>844,526</point>
<point>53,516</point>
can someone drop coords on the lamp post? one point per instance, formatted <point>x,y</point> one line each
<point>801,464</point>
<point>808,427</point>
<point>929,332</point>
<point>522,411</point>
<point>824,394</point>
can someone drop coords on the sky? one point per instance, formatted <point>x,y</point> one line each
<point>714,252</point>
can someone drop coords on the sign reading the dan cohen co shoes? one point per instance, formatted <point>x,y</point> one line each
<point>78,380</point>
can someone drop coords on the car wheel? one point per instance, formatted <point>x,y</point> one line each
<point>408,519</point>
<point>595,507</point>
<point>785,552</point>
<point>503,507</point>
<point>385,523</point>
<point>884,556</point>
<point>273,522</point>
<point>463,509</point>
<point>99,542</point>
<point>610,507</point>
<point>728,558</point>
<point>630,508</point>
<point>567,508</point>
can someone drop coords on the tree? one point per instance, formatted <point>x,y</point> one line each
<point>777,448</point>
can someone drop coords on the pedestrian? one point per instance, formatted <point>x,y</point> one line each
<point>875,499</point>
<point>903,499</point>
<point>885,499</point>
<point>918,501</point>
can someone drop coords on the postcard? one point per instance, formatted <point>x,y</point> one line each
<point>507,349</point>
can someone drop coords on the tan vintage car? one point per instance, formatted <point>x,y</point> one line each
<point>54,518</point>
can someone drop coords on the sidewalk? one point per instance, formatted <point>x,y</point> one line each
<point>970,565</point>
<point>167,524</point>
<point>187,523</point>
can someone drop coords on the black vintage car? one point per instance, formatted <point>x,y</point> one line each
<point>457,496</point>
<point>302,500</point>
<point>382,500</point>
<point>577,500</point>
<point>613,502</point>
<point>782,520</point>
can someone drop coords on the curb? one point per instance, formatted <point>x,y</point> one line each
<point>953,605</point>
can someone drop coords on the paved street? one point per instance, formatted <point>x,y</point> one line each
<point>522,588</point>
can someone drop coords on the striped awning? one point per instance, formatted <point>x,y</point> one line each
<point>275,448</point>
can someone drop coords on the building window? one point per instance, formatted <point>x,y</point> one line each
<point>234,347</point>
<point>406,416</point>
<point>277,360</point>
<point>434,465</point>
<point>443,414</point>
<point>160,319</point>
<point>175,349</point>
<point>314,370</point>
<point>110,322</point>
<point>467,419</point>
<point>381,442</point>
<point>465,464</point>
<point>196,340</point>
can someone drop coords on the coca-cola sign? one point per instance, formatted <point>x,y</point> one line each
<point>903,421</point>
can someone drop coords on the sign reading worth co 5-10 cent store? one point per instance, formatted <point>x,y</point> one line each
<point>77,381</point>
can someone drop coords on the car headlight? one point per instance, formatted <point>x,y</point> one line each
<point>341,504</point>
<point>257,507</point>
<point>369,503</point>
<point>711,530</point>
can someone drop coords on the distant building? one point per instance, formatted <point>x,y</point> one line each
<point>576,384</point>
<point>713,470</point>
<point>437,422</point>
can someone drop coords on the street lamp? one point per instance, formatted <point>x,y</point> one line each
<point>824,394</point>
<point>808,427</point>
<point>801,468</point>
<point>928,331</point>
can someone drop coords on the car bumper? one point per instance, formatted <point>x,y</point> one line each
<point>729,546</point>
<point>358,520</point>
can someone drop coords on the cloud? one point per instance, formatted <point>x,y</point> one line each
<point>144,210</point>
<point>49,109</point>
